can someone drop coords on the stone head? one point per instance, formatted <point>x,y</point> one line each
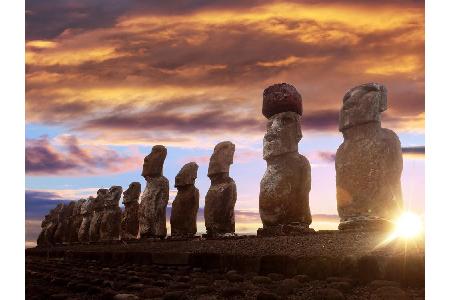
<point>280,98</point>
<point>99,201</point>
<point>221,159</point>
<point>113,197</point>
<point>362,104</point>
<point>283,134</point>
<point>132,193</point>
<point>69,208</point>
<point>187,175</point>
<point>153,163</point>
<point>87,206</point>
<point>77,208</point>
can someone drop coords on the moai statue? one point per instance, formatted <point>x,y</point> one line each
<point>77,219</point>
<point>49,226</point>
<point>152,210</point>
<point>96,221</point>
<point>86,212</point>
<point>221,196</point>
<point>111,217</point>
<point>130,216</point>
<point>285,186</point>
<point>62,232</point>
<point>183,219</point>
<point>41,241</point>
<point>368,163</point>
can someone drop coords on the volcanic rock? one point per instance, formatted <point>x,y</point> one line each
<point>112,215</point>
<point>368,163</point>
<point>152,210</point>
<point>130,216</point>
<point>221,196</point>
<point>76,221</point>
<point>183,220</point>
<point>279,98</point>
<point>86,212</point>
<point>96,221</point>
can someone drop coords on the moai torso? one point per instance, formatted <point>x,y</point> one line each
<point>368,163</point>
<point>221,196</point>
<point>86,213</point>
<point>130,216</point>
<point>96,221</point>
<point>152,210</point>
<point>111,217</point>
<point>285,186</point>
<point>183,219</point>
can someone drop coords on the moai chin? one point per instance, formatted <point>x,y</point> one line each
<point>98,207</point>
<point>368,163</point>
<point>86,211</point>
<point>130,216</point>
<point>183,219</point>
<point>152,210</point>
<point>76,221</point>
<point>221,196</point>
<point>111,217</point>
<point>285,186</point>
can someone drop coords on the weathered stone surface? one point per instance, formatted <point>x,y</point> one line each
<point>76,221</point>
<point>368,163</point>
<point>279,98</point>
<point>130,216</point>
<point>183,219</point>
<point>96,221</point>
<point>86,212</point>
<point>389,293</point>
<point>152,210</point>
<point>284,189</point>
<point>154,162</point>
<point>221,196</point>
<point>112,215</point>
<point>63,229</point>
<point>49,226</point>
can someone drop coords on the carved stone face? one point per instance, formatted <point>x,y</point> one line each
<point>362,104</point>
<point>187,174</point>
<point>87,206</point>
<point>132,193</point>
<point>283,134</point>
<point>153,163</point>
<point>113,196</point>
<point>222,158</point>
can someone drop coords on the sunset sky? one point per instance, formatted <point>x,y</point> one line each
<point>106,80</point>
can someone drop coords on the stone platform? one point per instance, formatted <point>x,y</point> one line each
<point>357,255</point>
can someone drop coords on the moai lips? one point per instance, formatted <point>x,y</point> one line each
<point>285,186</point>
<point>152,210</point>
<point>183,219</point>
<point>111,217</point>
<point>368,163</point>
<point>130,216</point>
<point>221,196</point>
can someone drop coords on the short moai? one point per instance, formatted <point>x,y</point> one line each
<point>87,211</point>
<point>112,215</point>
<point>76,221</point>
<point>285,186</point>
<point>152,210</point>
<point>221,196</point>
<point>368,163</point>
<point>183,219</point>
<point>96,220</point>
<point>130,216</point>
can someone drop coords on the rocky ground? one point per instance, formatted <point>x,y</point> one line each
<point>87,279</point>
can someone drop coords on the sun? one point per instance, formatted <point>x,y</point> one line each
<point>408,225</point>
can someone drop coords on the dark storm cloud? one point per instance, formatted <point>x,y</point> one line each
<point>39,203</point>
<point>44,158</point>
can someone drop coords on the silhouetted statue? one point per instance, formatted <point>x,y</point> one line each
<point>112,215</point>
<point>49,226</point>
<point>76,221</point>
<point>87,211</point>
<point>152,210</point>
<point>368,163</point>
<point>130,216</point>
<point>183,219</point>
<point>221,196</point>
<point>96,221</point>
<point>284,189</point>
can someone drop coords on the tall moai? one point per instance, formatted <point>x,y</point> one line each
<point>76,221</point>
<point>87,211</point>
<point>112,215</point>
<point>152,210</point>
<point>130,216</point>
<point>285,186</point>
<point>96,220</point>
<point>368,163</point>
<point>63,229</point>
<point>222,194</point>
<point>183,219</point>
<point>49,226</point>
